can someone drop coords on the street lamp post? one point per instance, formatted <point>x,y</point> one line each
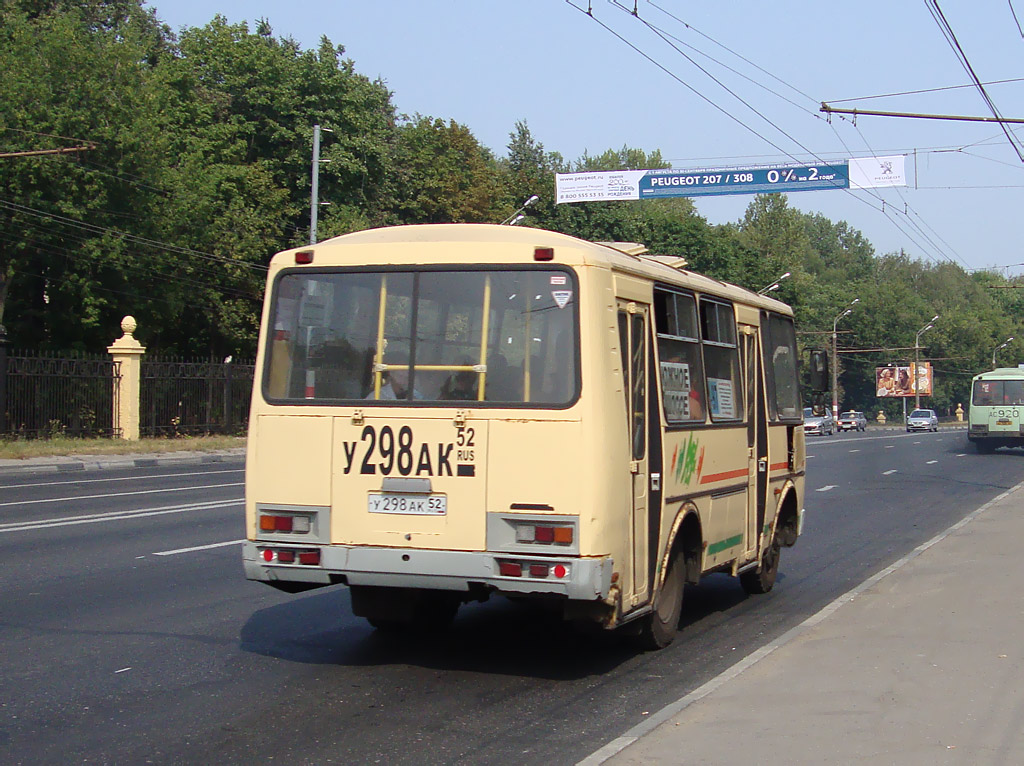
<point>773,286</point>
<point>835,358</point>
<point>314,192</point>
<point>917,360</point>
<point>998,348</point>
<point>520,214</point>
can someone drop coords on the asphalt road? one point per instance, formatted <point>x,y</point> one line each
<point>128,633</point>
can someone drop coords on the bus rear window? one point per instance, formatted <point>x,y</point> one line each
<point>431,336</point>
<point>992,393</point>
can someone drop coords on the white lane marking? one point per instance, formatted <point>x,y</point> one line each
<point>120,478</point>
<point>917,442</point>
<point>932,462</point>
<point>673,709</point>
<point>198,548</point>
<point>890,471</point>
<point>889,446</point>
<point>960,454</point>
<point>122,494</point>
<point>808,457</point>
<point>97,518</point>
<point>854,450</point>
<point>122,670</point>
<point>826,488</point>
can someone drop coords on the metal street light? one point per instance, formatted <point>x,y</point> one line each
<point>773,286</point>
<point>314,192</point>
<point>1003,345</point>
<point>917,360</point>
<point>512,220</point>
<point>835,353</point>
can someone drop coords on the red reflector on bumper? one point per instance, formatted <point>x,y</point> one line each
<point>538,570</point>
<point>309,557</point>
<point>510,569</point>
<point>286,557</point>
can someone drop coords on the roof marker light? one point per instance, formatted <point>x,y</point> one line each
<point>303,257</point>
<point>543,253</point>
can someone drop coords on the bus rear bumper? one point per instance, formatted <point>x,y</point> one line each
<point>576,578</point>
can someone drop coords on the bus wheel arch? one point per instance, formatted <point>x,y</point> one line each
<point>787,521</point>
<point>680,565</point>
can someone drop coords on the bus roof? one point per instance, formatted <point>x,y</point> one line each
<point>1002,373</point>
<point>514,244</point>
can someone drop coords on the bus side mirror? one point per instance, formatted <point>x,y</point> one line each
<point>819,371</point>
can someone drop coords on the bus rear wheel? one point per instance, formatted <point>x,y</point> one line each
<point>984,447</point>
<point>762,579</point>
<point>405,609</point>
<point>659,628</point>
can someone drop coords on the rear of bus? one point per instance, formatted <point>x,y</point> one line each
<point>418,426</point>
<point>994,417</point>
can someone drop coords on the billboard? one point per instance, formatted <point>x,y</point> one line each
<point>603,186</point>
<point>912,380</point>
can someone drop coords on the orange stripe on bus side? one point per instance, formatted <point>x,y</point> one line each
<point>778,466</point>
<point>713,477</point>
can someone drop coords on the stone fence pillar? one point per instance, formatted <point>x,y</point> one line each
<point>128,351</point>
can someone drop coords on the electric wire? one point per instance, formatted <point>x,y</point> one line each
<point>659,33</point>
<point>947,31</point>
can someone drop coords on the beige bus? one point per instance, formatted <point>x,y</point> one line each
<point>446,412</point>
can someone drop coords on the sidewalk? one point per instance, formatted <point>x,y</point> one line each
<point>922,664</point>
<point>55,464</point>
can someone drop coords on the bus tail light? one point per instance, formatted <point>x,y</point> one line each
<point>284,523</point>
<point>546,534</point>
<point>306,557</point>
<point>535,570</point>
<point>510,569</point>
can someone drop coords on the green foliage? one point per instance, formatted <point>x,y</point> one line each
<point>196,168</point>
<point>441,175</point>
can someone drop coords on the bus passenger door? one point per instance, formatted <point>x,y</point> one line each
<point>633,320</point>
<point>757,439</point>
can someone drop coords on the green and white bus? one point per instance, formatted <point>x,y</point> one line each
<point>997,402</point>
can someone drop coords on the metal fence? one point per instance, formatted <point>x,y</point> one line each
<point>194,397</point>
<point>42,395</point>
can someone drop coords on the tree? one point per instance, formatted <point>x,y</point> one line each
<point>74,75</point>
<point>441,175</point>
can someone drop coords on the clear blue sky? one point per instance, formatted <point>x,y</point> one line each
<point>581,88</point>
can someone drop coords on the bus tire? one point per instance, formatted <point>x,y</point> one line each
<point>984,447</point>
<point>659,628</point>
<point>406,609</point>
<point>762,579</point>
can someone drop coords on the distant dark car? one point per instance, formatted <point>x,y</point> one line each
<point>818,424</point>
<point>922,420</point>
<point>852,421</point>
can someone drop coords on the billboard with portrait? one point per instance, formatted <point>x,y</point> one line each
<point>909,380</point>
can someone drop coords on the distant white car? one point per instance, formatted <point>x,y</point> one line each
<point>818,424</point>
<point>852,421</point>
<point>922,420</point>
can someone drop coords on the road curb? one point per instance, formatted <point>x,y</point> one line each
<point>99,462</point>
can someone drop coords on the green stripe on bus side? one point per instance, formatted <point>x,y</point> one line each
<point>722,545</point>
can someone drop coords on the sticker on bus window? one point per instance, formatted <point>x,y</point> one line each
<point>558,279</point>
<point>675,384</point>
<point>562,297</point>
<point>720,398</point>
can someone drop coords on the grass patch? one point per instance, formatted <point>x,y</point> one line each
<point>61,445</point>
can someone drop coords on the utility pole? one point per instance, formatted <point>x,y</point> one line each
<point>314,201</point>
<point>917,361</point>
<point>835,359</point>
<point>41,152</point>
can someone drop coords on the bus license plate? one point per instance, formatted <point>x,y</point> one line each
<point>417,505</point>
